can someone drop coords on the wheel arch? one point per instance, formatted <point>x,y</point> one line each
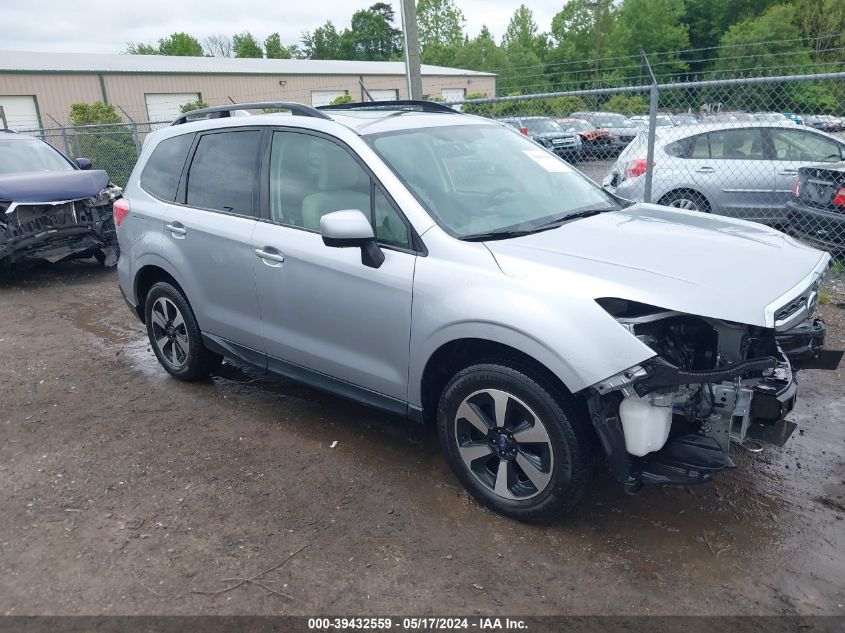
<point>458,353</point>
<point>147,276</point>
<point>689,190</point>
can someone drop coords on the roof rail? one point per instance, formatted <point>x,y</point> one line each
<point>409,105</point>
<point>218,112</point>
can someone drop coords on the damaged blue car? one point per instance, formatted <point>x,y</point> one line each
<point>53,208</point>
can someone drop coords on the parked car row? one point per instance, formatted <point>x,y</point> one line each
<point>744,170</point>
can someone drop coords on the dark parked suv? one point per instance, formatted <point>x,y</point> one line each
<point>549,134</point>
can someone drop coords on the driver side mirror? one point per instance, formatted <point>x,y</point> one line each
<point>351,228</point>
<point>83,163</point>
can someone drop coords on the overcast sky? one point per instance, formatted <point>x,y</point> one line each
<point>104,26</point>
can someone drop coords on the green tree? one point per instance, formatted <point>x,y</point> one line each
<point>580,33</point>
<point>372,35</point>
<point>481,53</point>
<point>823,23</point>
<point>324,43</point>
<point>440,22</point>
<point>193,105</point>
<point>524,48</point>
<point>109,145</point>
<point>274,49</point>
<point>653,26</point>
<point>341,100</point>
<point>139,48</point>
<point>245,45</point>
<point>180,44</point>
<point>629,105</point>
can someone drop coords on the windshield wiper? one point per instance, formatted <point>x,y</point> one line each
<point>504,234</point>
<point>496,235</point>
<point>578,215</point>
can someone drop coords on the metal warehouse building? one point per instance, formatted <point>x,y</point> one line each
<point>37,89</point>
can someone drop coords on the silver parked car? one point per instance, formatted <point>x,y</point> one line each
<point>444,267</point>
<point>743,170</point>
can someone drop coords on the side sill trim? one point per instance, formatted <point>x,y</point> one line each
<point>314,379</point>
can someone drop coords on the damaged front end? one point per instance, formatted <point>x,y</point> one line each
<point>39,225</point>
<point>671,419</point>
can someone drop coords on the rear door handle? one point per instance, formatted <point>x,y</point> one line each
<point>268,256</point>
<point>705,170</point>
<point>176,229</point>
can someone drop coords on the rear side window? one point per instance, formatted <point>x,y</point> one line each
<point>223,172</point>
<point>679,149</point>
<point>164,168</point>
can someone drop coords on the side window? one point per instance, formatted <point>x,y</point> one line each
<point>163,170</point>
<point>804,146</point>
<point>389,227</point>
<point>739,144</point>
<point>679,149</point>
<point>223,172</point>
<point>311,176</point>
<point>700,147</point>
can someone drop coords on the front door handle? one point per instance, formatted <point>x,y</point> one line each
<point>176,229</point>
<point>705,170</point>
<point>269,256</point>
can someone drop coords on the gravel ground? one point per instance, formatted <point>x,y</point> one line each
<point>127,492</point>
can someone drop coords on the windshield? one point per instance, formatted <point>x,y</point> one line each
<point>542,126</point>
<point>478,179</point>
<point>575,125</point>
<point>611,120</point>
<point>21,155</point>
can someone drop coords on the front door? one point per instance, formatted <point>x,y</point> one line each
<point>324,314</point>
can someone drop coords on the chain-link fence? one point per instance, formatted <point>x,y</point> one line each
<point>764,149</point>
<point>761,148</point>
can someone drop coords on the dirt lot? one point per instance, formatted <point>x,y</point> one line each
<point>125,492</point>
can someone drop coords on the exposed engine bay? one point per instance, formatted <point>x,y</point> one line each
<point>59,230</point>
<point>672,419</point>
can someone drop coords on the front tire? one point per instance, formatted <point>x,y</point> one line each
<point>515,441</point>
<point>175,336</point>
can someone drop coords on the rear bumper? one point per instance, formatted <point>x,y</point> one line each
<point>826,228</point>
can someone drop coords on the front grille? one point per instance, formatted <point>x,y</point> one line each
<point>790,308</point>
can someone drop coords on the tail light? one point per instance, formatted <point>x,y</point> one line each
<point>796,187</point>
<point>120,209</point>
<point>637,167</point>
<point>839,197</point>
<point>523,130</point>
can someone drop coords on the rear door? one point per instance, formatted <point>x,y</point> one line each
<point>208,236</point>
<point>740,172</point>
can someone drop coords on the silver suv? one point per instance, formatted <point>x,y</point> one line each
<point>446,268</point>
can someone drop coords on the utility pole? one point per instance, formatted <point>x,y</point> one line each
<point>596,5</point>
<point>412,48</point>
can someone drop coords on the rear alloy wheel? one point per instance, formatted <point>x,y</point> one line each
<point>514,440</point>
<point>687,200</point>
<point>175,336</point>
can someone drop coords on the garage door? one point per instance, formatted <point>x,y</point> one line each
<point>20,112</point>
<point>453,94</point>
<point>165,107</point>
<point>384,95</point>
<point>325,97</point>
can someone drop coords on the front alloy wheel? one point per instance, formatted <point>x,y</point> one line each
<point>516,439</point>
<point>504,444</point>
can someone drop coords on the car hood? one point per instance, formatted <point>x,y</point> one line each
<point>689,262</point>
<point>52,186</point>
<point>553,135</point>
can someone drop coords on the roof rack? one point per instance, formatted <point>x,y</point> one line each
<point>220,112</point>
<point>409,105</point>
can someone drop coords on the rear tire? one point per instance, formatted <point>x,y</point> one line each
<point>515,441</point>
<point>686,199</point>
<point>175,336</point>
